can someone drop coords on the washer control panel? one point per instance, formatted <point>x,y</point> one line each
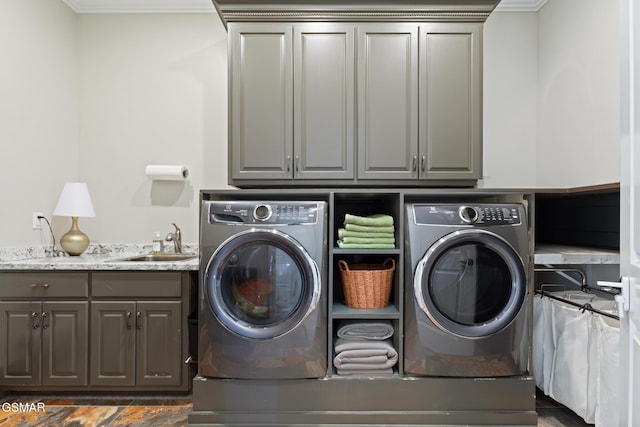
<point>271,213</point>
<point>468,214</point>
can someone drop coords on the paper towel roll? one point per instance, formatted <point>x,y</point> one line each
<point>167,172</point>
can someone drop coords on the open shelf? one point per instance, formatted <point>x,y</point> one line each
<point>341,311</point>
<point>365,204</point>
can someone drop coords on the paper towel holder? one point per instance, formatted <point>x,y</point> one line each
<point>167,172</point>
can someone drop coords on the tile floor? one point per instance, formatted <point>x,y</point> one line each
<point>552,414</point>
<point>172,412</point>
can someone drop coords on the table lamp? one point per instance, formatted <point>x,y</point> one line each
<point>74,202</point>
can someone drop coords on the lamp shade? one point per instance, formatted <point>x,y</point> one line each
<point>75,201</point>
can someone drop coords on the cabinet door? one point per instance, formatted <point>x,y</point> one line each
<point>450,101</point>
<point>324,74</point>
<point>20,344</point>
<point>113,343</point>
<point>387,101</point>
<point>261,84</point>
<point>159,340</point>
<point>65,343</point>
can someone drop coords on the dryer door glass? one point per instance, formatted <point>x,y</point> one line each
<point>472,284</point>
<point>262,284</point>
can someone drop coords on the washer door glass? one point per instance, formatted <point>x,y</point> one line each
<point>262,284</point>
<point>471,283</point>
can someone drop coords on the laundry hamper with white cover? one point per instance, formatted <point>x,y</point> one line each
<point>538,349</point>
<point>570,372</point>
<point>607,331</point>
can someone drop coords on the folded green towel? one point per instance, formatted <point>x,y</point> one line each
<point>343,245</point>
<point>346,233</point>
<point>370,228</point>
<point>377,219</point>
<point>368,240</point>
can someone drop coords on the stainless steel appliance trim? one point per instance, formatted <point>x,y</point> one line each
<point>228,321</point>
<point>518,283</point>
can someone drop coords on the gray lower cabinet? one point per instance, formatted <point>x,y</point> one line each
<point>137,325</point>
<point>44,340</point>
<point>136,343</point>
<point>292,101</point>
<point>99,330</point>
<point>355,102</point>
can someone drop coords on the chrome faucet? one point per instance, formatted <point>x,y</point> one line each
<point>176,238</point>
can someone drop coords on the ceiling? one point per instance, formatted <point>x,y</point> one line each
<point>204,6</point>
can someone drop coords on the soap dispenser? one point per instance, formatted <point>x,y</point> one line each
<point>158,244</point>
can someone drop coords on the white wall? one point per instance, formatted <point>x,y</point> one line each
<point>551,109</point>
<point>510,100</point>
<point>38,112</point>
<point>98,97</point>
<point>578,86</point>
<point>153,91</point>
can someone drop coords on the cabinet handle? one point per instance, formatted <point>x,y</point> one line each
<point>414,163</point>
<point>139,320</point>
<point>288,163</point>
<point>423,165</point>
<point>128,320</point>
<point>297,163</point>
<point>45,320</point>
<point>39,285</point>
<point>34,320</point>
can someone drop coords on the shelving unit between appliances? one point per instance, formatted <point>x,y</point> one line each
<point>378,202</point>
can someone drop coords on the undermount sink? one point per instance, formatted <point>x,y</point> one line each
<point>158,258</point>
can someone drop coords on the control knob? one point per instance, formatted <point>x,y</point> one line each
<point>262,212</point>
<point>468,214</point>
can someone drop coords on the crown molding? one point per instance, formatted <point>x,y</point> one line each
<point>206,6</point>
<point>519,5</point>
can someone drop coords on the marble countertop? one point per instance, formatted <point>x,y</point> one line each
<point>562,254</point>
<point>97,257</point>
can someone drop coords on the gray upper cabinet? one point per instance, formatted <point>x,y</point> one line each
<point>261,84</point>
<point>420,101</point>
<point>291,101</point>
<point>450,106</point>
<point>357,103</point>
<point>387,101</point>
<point>323,101</point>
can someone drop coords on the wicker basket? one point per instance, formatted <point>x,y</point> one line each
<point>367,285</point>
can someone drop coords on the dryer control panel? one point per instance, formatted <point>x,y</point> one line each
<point>268,213</point>
<point>471,214</point>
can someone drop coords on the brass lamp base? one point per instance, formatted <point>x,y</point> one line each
<point>74,242</point>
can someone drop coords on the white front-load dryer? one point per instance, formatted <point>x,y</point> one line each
<point>467,301</point>
<point>263,309</point>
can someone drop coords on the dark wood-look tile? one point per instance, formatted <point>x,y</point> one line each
<point>169,412</point>
<point>63,412</point>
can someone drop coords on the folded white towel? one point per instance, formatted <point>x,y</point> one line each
<point>365,330</point>
<point>364,355</point>
<point>374,372</point>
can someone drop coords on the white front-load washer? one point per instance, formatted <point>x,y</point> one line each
<point>468,299</point>
<point>262,308</point>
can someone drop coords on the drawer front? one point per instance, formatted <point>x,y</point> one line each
<point>44,285</point>
<point>136,284</point>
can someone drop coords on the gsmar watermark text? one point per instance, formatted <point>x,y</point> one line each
<point>23,407</point>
